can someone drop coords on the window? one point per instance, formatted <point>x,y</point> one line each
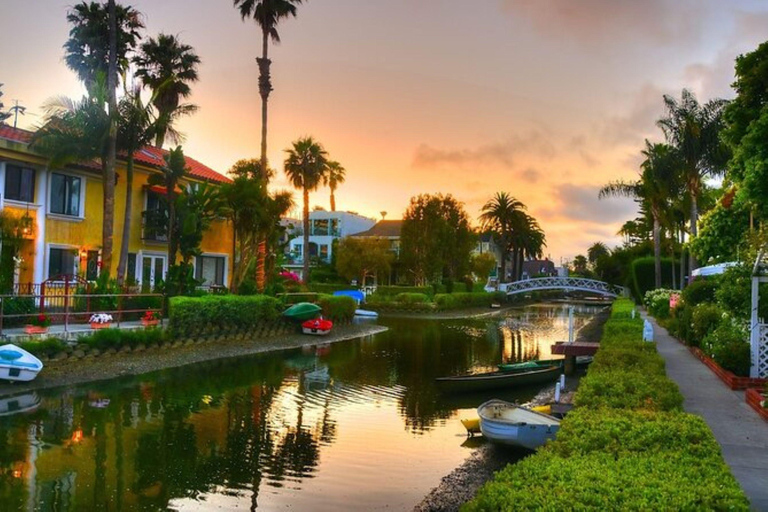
<point>62,262</point>
<point>320,227</point>
<point>65,194</point>
<point>298,249</point>
<point>156,217</point>
<point>19,183</point>
<point>131,270</point>
<point>210,270</point>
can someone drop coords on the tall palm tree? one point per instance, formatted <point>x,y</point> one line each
<point>694,131</point>
<point>596,251</point>
<point>306,167</point>
<point>97,49</point>
<point>167,67</point>
<point>498,216</point>
<point>333,178</point>
<point>136,130</point>
<point>530,241</point>
<point>170,175</point>
<point>267,13</point>
<point>655,189</point>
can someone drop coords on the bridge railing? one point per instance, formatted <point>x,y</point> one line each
<point>564,283</point>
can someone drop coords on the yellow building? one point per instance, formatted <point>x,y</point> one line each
<point>62,212</point>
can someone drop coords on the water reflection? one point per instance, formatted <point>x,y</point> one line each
<point>258,431</point>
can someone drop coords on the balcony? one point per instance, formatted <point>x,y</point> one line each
<point>154,226</point>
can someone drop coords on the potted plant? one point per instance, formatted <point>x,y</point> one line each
<point>150,318</point>
<point>100,321</point>
<point>38,325</point>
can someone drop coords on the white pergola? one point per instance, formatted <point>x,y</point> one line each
<point>758,329</point>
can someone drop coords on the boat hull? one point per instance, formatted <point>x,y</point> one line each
<point>16,364</point>
<point>506,424</point>
<point>302,311</point>
<point>496,380</point>
<point>366,313</point>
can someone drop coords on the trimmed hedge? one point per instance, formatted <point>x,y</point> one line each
<point>193,315</point>
<point>642,274</point>
<point>337,308</point>
<point>626,446</point>
<point>458,300</point>
<point>391,291</point>
<point>47,347</point>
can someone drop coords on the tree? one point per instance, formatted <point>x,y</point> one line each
<point>499,216</point>
<point>174,170</point>
<point>436,238</point>
<point>655,190</point>
<point>255,215</point>
<point>482,265</point>
<point>135,130</point>
<point>305,167</point>
<point>693,130</point>
<point>580,265</point>
<point>167,67</point>
<point>267,13</point>
<point>333,178</point>
<point>596,251</point>
<point>97,49</point>
<point>528,241</point>
<point>722,233</point>
<point>3,115</point>
<point>360,258</point>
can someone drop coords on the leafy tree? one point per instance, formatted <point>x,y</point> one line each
<point>174,170</point>
<point>360,258</point>
<point>267,13</point>
<point>167,67</point>
<point>722,233</point>
<point>135,130</point>
<point>3,115</point>
<point>694,131</point>
<point>306,167</point>
<point>436,238</point>
<point>333,178</point>
<point>482,265</point>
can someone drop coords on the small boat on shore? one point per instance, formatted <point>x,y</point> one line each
<point>302,311</point>
<point>581,361</point>
<point>493,380</point>
<point>473,424</point>
<point>317,327</point>
<point>505,423</point>
<point>366,313</point>
<point>17,364</point>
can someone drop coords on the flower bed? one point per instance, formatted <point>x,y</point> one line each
<point>729,378</point>
<point>757,400</point>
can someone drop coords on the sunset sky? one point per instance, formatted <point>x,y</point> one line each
<point>545,99</point>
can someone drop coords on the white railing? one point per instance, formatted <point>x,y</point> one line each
<point>563,283</point>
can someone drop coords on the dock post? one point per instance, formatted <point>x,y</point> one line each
<point>569,368</point>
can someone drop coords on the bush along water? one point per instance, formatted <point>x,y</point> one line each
<point>626,446</point>
<point>221,314</point>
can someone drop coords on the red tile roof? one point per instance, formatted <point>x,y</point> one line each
<point>149,155</point>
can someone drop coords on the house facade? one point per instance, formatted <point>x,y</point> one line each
<point>324,228</point>
<point>61,210</point>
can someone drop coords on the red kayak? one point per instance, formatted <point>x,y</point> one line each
<point>318,326</point>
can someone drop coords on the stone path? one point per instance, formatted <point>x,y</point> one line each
<point>742,434</point>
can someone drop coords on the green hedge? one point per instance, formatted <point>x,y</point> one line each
<point>458,300</point>
<point>391,291</point>
<point>642,274</point>
<point>47,347</point>
<point>192,315</point>
<point>626,446</point>
<point>337,308</point>
<point>104,339</point>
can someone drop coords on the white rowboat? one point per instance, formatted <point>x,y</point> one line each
<point>505,423</point>
<point>18,364</point>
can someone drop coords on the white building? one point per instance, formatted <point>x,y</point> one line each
<point>324,228</point>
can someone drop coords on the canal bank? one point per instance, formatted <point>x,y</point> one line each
<point>461,484</point>
<point>121,364</point>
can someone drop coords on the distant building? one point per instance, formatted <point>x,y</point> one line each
<point>487,245</point>
<point>538,268</point>
<point>389,229</point>
<point>324,228</point>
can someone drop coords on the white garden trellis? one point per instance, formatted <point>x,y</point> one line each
<point>758,329</point>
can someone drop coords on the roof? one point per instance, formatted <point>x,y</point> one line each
<point>149,155</point>
<point>387,228</point>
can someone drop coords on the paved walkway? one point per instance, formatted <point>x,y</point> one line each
<point>742,434</point>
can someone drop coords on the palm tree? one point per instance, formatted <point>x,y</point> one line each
<point>334,177</point>
<point>498,216</point>
<point>694,131</point>
<point>530,241</point>
<point>655,189</point>
<point>135,130</point>
<point>167,67</point>
<point>267,13</point>
<point>596,251</point>
<point>170,175</point>
<point>97,49</point>
<point>306,167</point>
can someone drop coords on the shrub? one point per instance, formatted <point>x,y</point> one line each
<point>623,389</point>
<point>457,300</point>
<point>701,290</point>
<point>47,347</point>
<point>391,291</point>
<point>17,306</point>
<point>622,308</point>
<point>192,315</point>
<point>337,308</point>
<point>643,358</point>
<point>642,275</point>
<point>684,315</point>
<point>411,298</point>
<point>706,318</point>
<point>728,346</point>
<point>657,302</point>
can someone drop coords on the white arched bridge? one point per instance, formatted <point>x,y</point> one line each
<point>578,284</point>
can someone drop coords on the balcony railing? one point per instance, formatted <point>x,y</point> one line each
<point>154,225</point>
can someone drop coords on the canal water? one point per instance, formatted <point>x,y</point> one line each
<point>356,425</point>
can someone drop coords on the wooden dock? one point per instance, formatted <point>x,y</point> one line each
<point>576,348</point>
